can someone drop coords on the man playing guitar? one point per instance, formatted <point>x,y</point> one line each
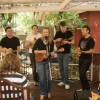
<point>84,52</point>
<point>29,43</point>
<point>9,42</point>
<point>63,40</point>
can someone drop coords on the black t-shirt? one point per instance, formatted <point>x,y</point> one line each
<point>86,44</point>
<point>39,45</point>
<point>10,42</point>
<point>66,35</point>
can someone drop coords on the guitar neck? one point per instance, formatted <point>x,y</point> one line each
<point>69,39</point>
<point>14,51</point>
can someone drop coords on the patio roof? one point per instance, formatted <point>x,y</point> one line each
<point>13,6</point>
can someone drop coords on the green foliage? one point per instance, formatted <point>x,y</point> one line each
<point>71,18</point>
<point>21,21</point>
<point>6,20</point>
<point>24,20</point>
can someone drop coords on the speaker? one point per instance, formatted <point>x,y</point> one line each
<point>82,95</point>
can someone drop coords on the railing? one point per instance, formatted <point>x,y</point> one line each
<point>73,69</point>
<point>73,72</point>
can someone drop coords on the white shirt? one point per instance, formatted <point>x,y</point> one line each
<point>32,37</point>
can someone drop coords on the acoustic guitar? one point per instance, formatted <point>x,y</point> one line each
<point>78,52</point>
<point>60,43</point>
<point>12,51</point>
<point>40,57</point>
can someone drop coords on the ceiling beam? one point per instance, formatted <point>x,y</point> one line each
<point>49,9</point>
<point>28,1</point>
<point>64,3</point>
<point>16,1</point>
<point>28,9</point>
<point>84,8</point>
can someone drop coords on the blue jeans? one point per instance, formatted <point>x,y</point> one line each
<point>44,77</point>
<point>63,60</point>
<point>31,98</point>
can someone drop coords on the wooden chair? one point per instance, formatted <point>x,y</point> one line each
<point>11,91</point>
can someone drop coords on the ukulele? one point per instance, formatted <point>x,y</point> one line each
<point>60,43</point>
<point>78,52</point>
<point>12,51</point>
<point>40,57</point>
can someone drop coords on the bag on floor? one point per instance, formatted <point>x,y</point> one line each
<point>82,95</point>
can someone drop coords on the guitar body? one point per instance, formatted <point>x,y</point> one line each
<point>59,44</point>
<point>78,52</point>
<point>40,57</point>
<point>13,51</point>
<point>5,53</point>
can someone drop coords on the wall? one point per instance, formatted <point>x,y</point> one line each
<point>93,19</point>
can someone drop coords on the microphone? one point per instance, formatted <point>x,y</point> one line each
<point>34,38</point>
<point>46,38</point>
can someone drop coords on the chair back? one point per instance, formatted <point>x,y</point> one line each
<point>11,91</point>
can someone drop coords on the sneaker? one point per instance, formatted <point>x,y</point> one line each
<point>49,96</point>
<point>79,90</point>
<point>67,86</point>
<point>61,84</point>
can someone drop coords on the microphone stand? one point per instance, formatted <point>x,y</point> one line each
<point>49,57</point>
<point>49,64</point>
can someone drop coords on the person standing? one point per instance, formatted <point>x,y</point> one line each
<point>63,40</point>
<point>84,51</point>
<point>9,43</point>
<point>29,43</point>
<point>42,48</point>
